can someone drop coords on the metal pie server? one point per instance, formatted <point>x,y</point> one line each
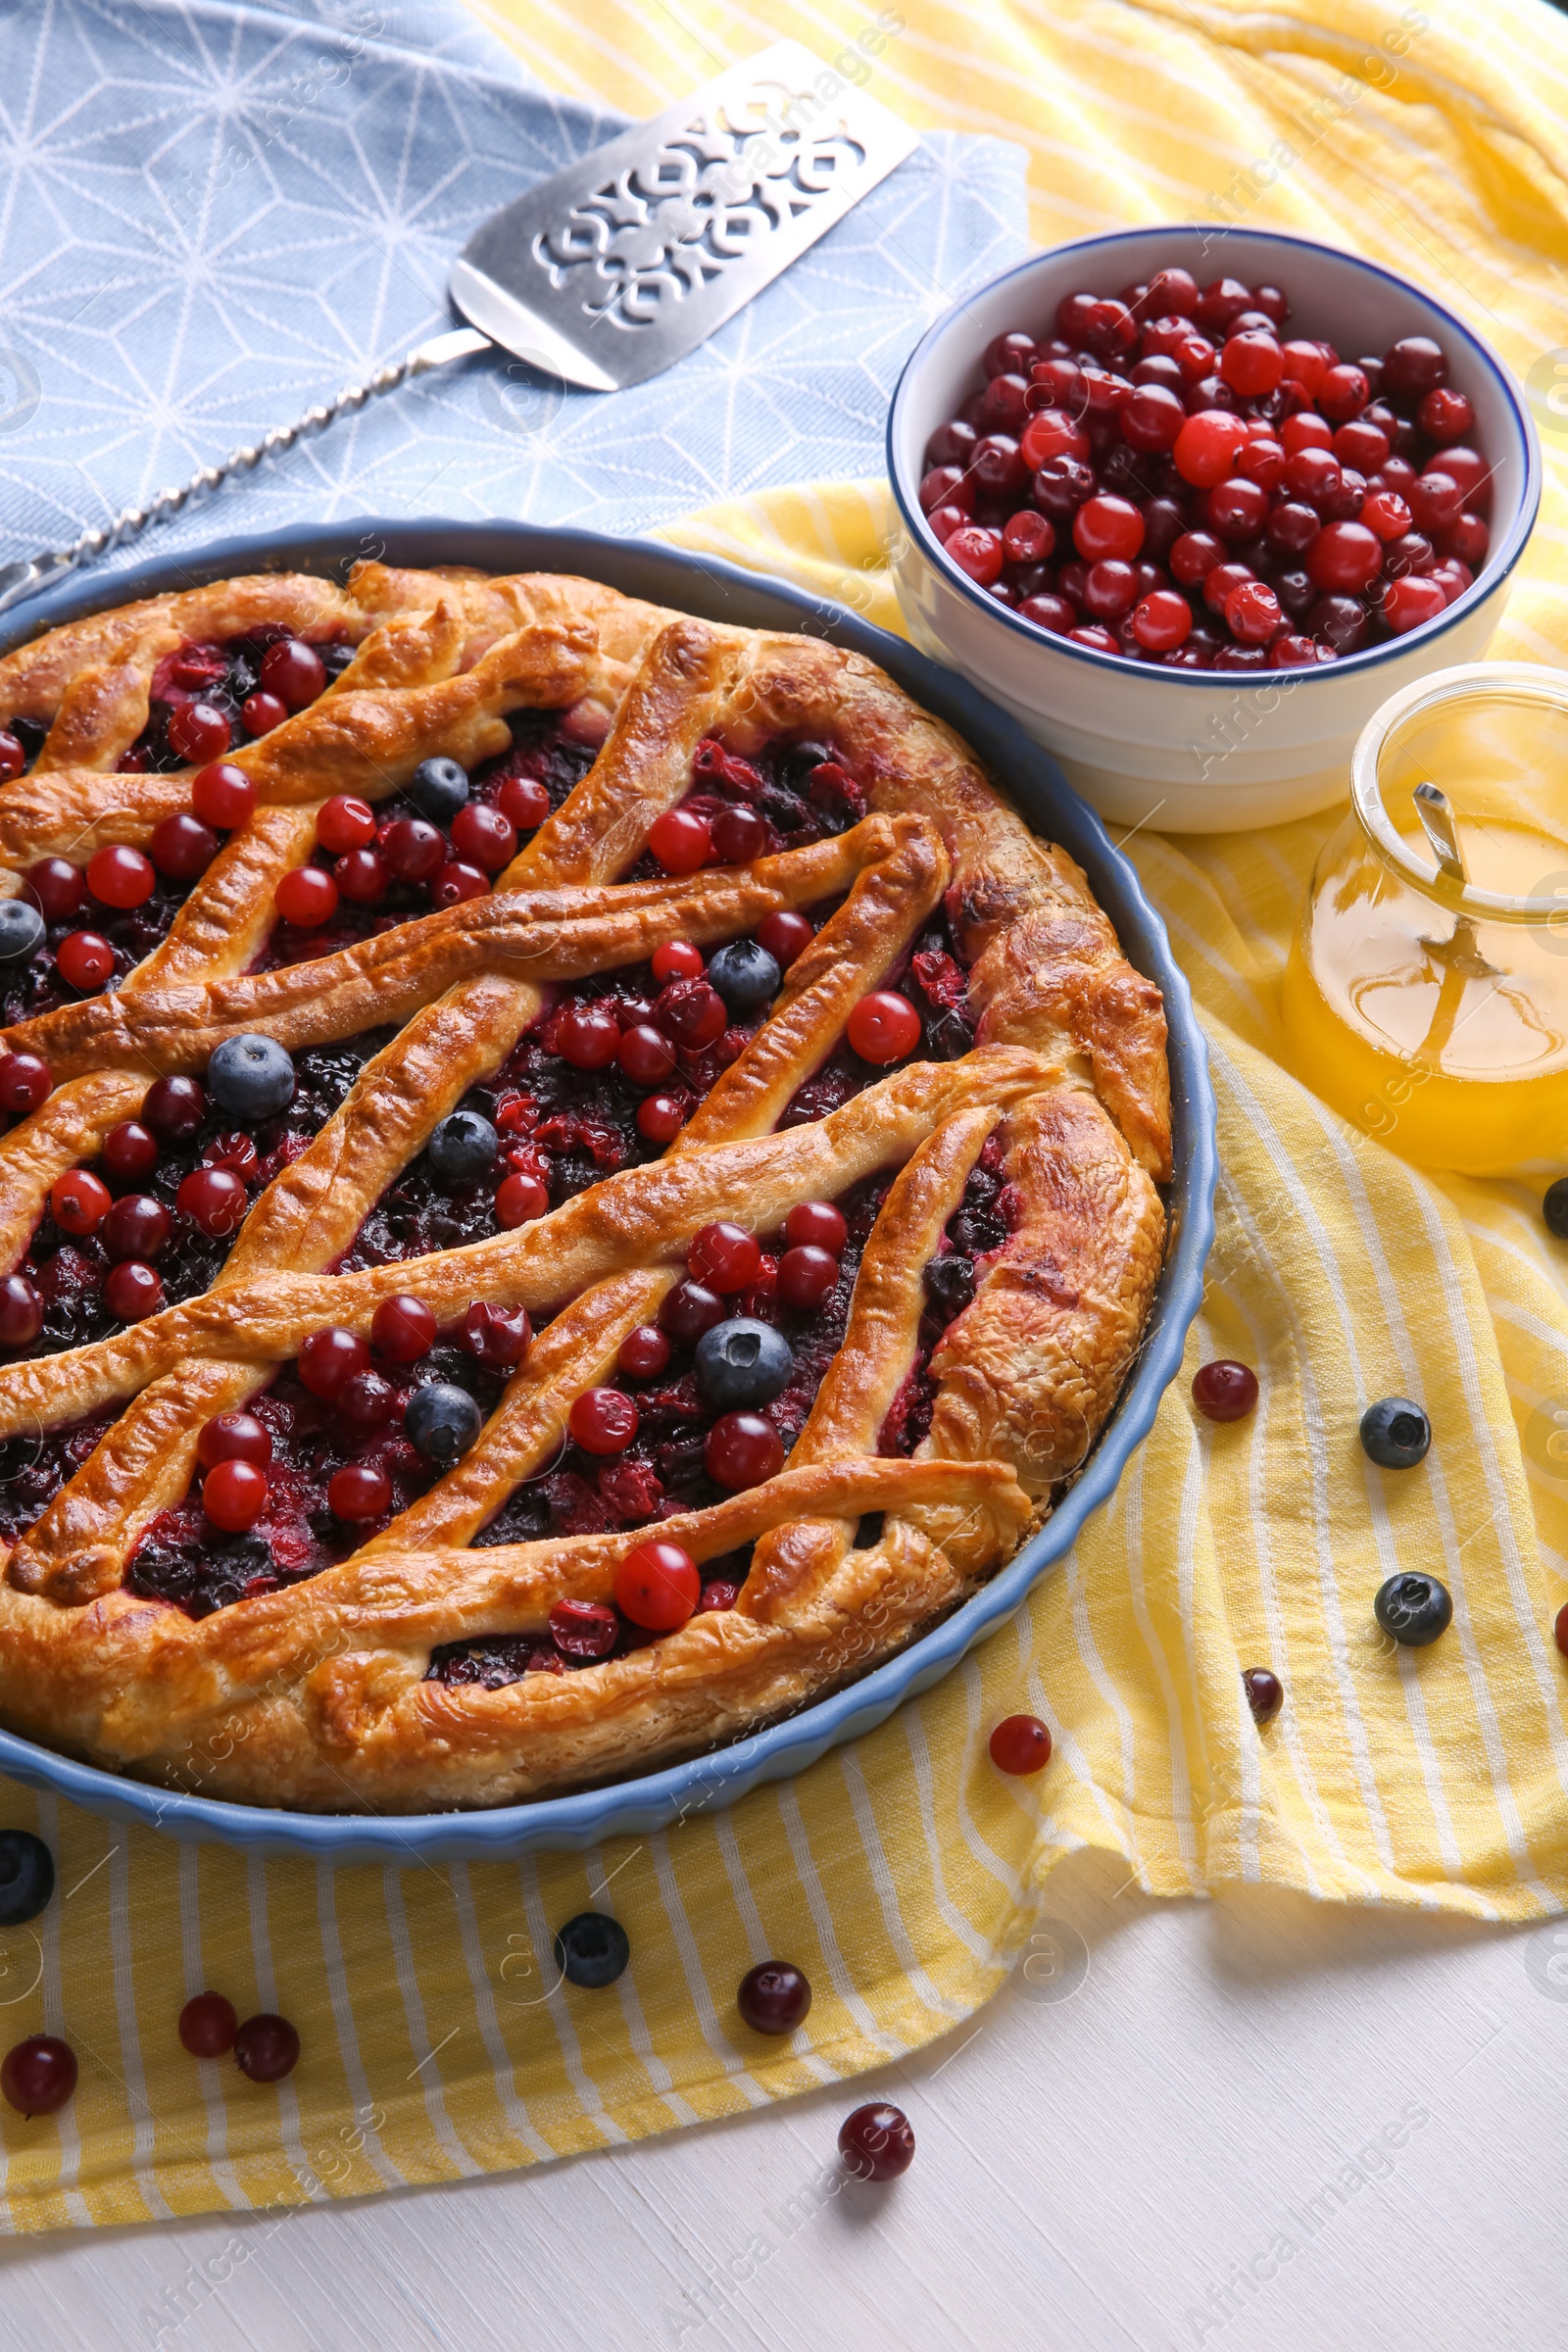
<point>613,269</point>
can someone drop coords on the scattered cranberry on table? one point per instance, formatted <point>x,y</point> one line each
<point>208,2024</point>
<point>1225,1391</point>
<point>774,1997</point>
<point>1020,1744</point>
<point>38,2075</point>
<point>877,2142</point>
<point>1560,1629</point>
<point>267,2048</point>
<point>1265,1694</point>
<point>1171,477</point>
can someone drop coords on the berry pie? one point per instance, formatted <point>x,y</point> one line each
<point>573,1179</point>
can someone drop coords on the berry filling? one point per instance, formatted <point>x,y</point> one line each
<point>33,1469</point>
<point>88,946</point>
<point>207,699</point>
<point>783,796</point>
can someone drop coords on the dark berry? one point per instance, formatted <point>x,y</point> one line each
<point>27,1877</point>
<point>592,1949</point>
<point>21,930</point>
<point>38,2075</point>
<point>1395,1433</point>
<point>745,975</point>
<point>950,1282</point>
<point>438,789</point>
<point>773,1997</point>
<point>267,2048</point>
<point>252,1078</point>
<point>173,1109</point>
<point>1554,1209</point>
<point>877,2142</point>
<point>1224,1390</point>
<point>743,1363</point>
<point>1414,1609</point>
<point>1265,1694</point>
<point>443,1421</point>
<point>462,1147</point>
<point>208,2024</point>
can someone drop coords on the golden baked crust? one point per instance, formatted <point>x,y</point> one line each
<point>320,1696</point>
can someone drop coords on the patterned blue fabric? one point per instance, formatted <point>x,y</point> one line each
<point>212,217</point>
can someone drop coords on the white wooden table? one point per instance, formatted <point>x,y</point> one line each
<point>1256,2122</point>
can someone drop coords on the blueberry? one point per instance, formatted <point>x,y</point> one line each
<point>1414,1609</point>
<point>592,1949</point>
<point>438,789</point>
<point>950,1282</point>
<point>443,1421</point>
<point>745,975</point>
<point>21,929</point>
<point>1554,1207</point>
<point>743,1363</point>
<point>461,1147</point>
<point>27,1877</point>
<point>251,1078</point>
<point>335,658</point>
<point>1395,1433</point>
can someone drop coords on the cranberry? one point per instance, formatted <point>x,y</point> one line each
<point>262,713</point>
<point>1051,612</point>
<point>719,1593</point>
<point>741,834</point>
<point>1343,393</point>
<point>495,1335</point>
<point>1386,514</point>
<point>1467,540</point>
<point>945,521</point>
<point>1414,553</point>
<point>223,796</point>
<point>1236,509</point>
<point>1209,445</point>
<point>1340,622</point>
<point>197,732</point>
<point>1263,461</point>
<point>1154,418</point>
<point>484,837</point>
<point>214,1198</point>
<point>807,1275</point>
<point>1107,527</point>
<point>307,897</point>
<point>403,1329</point>
<point>877,2142</point>
<point>1559,1629</point>
<point>132,1290</point>
<point>295,673</point>
<point>84,960</point>
<point>818,1223</point>
<point>520,1199</point>
<point>647,1055</point>
<point>345,823</point>
<point>1415,366</point>
<point>603,1421</point>
<point>977,551</point>
<point>1469,470</point>
<point>1252,364</point>
<point>137,1226</point>
<point>174,1109</point>
<point>120,877</point>
<point>1225,1391</point>
<point>1027,537</point>
<point>1020,1744</point>
<point>658,1586</point>
<point>583,1629</point>
<point>1435,502</point>
<point>13,757</point>
<point>951,444</point>
<point>1265,1694</point>
<point>661,1117</point>
<point>456,882</point>
<point>644,1353</point>
<point>267,2048</point>
<point>413,850</point>
<point>523,801</point>
<point>742,1449</point>
<point>996,464</point>
<point>1052,434</point>
<point>773,1997</point>
<point>1410,602</point>
<point>1009,354</point>
<point>588,1036</point>
<point>329,1359</point>
<point>233,1437</point>
<point>363,878</point>
<point>692,1012</point>
<point>944,483</point>
<point>681,840</point>
<point>883,1028</point>
<point>38,2075</point>
<point>79,1202</point>
<point>234,1495</point>
<point>183,847</point>
<point>358,1491</point>
<point>24,1082</point>
<point>208,2024</point>
<point>677,960</point>
<point>1194,555</point>
<point>1343,558</point>
<point>1292,652</point>
<point>20,1312</point>
<point>724,1257</point>
<point>1222,583</point>
<point>1172,291</point>
<point>688,1311</point>
<point>55,887</point>
<point>1306,431</point>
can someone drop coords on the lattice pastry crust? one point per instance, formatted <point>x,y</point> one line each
<point>319,1694</point>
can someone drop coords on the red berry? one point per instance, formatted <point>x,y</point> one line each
<point>132,1290</point>
<point>1343,558</point>
<point>295,673</point>
<point>208,2024</point>
<point>1225,1391</point>
<point>677,960</point>
<point>137,1227</point>
<point>345,823</point>
<point>413,850</point>
<point>38,2075</point>
<point>1020,1744</point>
<point>307,897</point>
<point>1027,537</point>
<point>658,1586</point>
<point>329,1359</point>
<point>1107,527</point>
<point>223,796</point>
<point>785,935</point>
<point>262,713</point>
<point>1209,445</point>
<point>877,2142</point>
<point>174,1109</point>
<point>682,840</point>
<point>1252,364</point>
<point>1362,445</point>
<point>1467,540</point>
<point>942,484</point>
<point>456,882</point>
<point>484,836</point>
<point>661,1117</point>
<point>197,732</point>
<point>233,1437</point>
<point>1252,613</point>
<point>215,1200</point>
<point>1236,509</point>
<point>807,1274</point>
<point>55,887</point>
<point>79,1202</point>
<point>1445,415</point>
<point>692,1012</point>
<point>84,960</point>
<point>129,1151</point>
<point>816,1222</point>
<point>403,1329</point>
<point>603,1421</point>
<point>520,1199</point>
<point>234,1495</point>
<point>267,2048</point>
<point>1411,602</point>
<point>719,1593</point>
<point>883,1027</point>
<point>647,1055</point>
<point>1265,1694</point>
<point>742,1449</point>
<point>1153,420</point>
<point>1194,555</point>
<point>587,1035</point>
<point>1305,431</point>
<point>1436,501</point>
<point>1313,476</point>
<point>363,878</point>
<point>1051,434</point>
<point>526,802</point>
<point>1414,366</point>
<point>24,1082</point>
<point>20,1312</point>
<point>13,755</point>
<point>1161,620</point>
<point>120,877</point>
<point>724,1257</point>
<point>1263,461</point>
<point>181,847</point>
<point>495,1335</point>
<point>1387,513</point>
<point>688,1311</point>
<point>1342,392</point>
<point>358,1491</point>
<point>741,834</point>
<point>583,1629</point>
<point>1559,1629</point>
<point>644,1353</point>
<point>976,550</point>
<point>773,1997</point>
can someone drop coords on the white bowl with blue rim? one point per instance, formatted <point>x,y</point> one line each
<point>1195,751</point>
<point>719,592</point>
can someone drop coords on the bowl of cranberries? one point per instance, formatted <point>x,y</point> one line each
<point>1191,504</point>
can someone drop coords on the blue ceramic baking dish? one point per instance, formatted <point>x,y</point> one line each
<point>720,592</point>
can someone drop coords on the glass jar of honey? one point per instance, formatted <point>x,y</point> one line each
<point>1426,994</point>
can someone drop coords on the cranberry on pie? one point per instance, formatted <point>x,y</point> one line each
<point>591,1181</point>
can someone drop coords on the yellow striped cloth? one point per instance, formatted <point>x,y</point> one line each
<point>899,1873</point>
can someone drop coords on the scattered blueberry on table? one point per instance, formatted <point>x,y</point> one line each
<point>1395,1433</point>
<point>592,1949</point>
<point>877,2142</point>
<point>27,1877</point>
<point>1414,1609</point>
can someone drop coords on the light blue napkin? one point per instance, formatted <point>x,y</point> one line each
<point>213,217</point>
